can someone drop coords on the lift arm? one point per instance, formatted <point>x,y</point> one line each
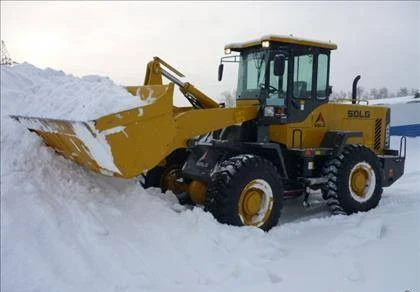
<point>154,73</point>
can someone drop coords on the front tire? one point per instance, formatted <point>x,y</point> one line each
<point>245,190</point>
<point>354,181</point>
<point>165,177</point>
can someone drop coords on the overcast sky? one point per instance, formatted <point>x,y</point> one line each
<point>379,40</point>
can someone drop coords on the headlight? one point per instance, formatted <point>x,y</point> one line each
<point>265,44</point>
<point>269,111</point>
<point>227,51</point>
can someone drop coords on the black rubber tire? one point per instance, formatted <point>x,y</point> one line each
<point>227,182</point>
<point>153,178</point>
<point>336,191</point>
<point>231,133</point>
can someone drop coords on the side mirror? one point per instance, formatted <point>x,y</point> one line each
<point>329,90</point>
<point>279,64</point>
<point>220,75</point>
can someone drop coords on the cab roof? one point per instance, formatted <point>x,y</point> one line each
<point>281,39</point>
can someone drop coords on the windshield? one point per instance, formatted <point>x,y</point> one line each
<point>256,74</point>
<point>251,74</point>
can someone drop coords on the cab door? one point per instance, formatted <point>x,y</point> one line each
<point>308,84</point>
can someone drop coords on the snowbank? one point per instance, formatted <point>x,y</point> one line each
<point>67,229</point>
<point>394,100</point>
<point>405,114</point>
<point>53,94</point>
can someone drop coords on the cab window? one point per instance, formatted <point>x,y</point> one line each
<point>302,76</point>
<point>322,76</point>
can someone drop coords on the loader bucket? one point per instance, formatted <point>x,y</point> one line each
<point>121,144</point>
<point>127,143</point>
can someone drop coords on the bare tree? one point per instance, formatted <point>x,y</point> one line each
<point>374,93</point>
<point>229,98</point>
<point>403,91</point>
<point>334,95</point>
<point>383,92</point>
<point>360,91</point>
<point>413,91</point>
<point>5,57</point>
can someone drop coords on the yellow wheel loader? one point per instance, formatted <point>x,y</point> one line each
<point>281,139</point>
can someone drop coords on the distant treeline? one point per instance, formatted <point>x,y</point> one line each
<point>229,97</point>
<point>376,93</point>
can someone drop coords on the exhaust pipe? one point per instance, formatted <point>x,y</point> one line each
<point>354,92</point>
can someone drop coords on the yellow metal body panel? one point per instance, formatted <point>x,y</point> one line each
<point>330,117</point>
<point>153,75</point>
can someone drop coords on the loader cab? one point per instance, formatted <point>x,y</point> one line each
<point>288,76</point>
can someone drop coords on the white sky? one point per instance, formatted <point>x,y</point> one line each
<point>379,40</point>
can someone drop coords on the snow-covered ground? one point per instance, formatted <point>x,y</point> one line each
<point>67,229</point>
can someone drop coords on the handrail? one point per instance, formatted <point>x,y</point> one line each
<point>300,136</point>
<point>403,138</point>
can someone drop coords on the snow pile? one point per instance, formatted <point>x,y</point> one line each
<point>53,94</point>
<point>394,100</point>
<point>67,229</point>
<point>405,117</point>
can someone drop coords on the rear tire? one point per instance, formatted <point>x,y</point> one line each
<point>245,190</point>
<point>354,181</point>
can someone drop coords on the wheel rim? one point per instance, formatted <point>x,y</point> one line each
<point>362,182</point>
<point>255,203</point>
<point>170,181</point>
